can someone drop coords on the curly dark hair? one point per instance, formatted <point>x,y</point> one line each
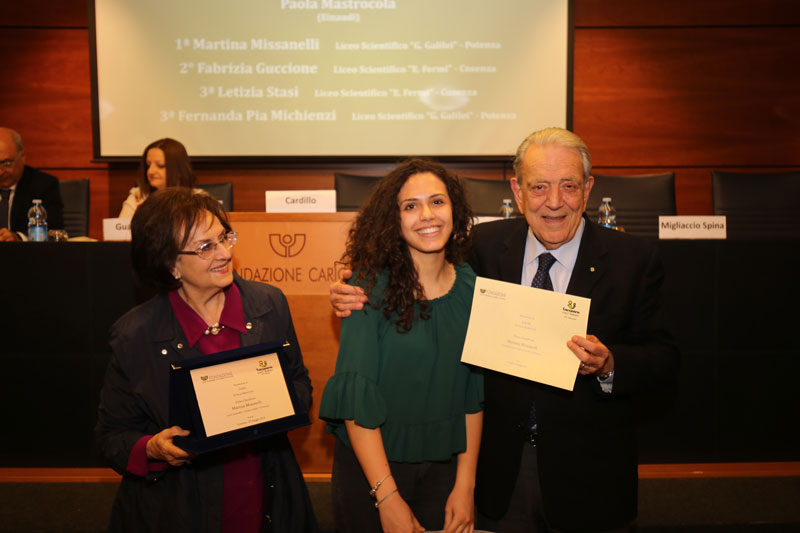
<point>160,229</point>
<point>179,168</point>
<point>375,243</point>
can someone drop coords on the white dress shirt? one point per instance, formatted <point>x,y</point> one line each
<point>560,273</point>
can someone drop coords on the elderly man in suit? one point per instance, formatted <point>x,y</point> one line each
<point>19,186</point>
<point>553,460</point>
<point>572,465</point>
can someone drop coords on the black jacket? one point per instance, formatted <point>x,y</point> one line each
<point>32,185</point>
<point>586,446</point>
<point>134,402</point>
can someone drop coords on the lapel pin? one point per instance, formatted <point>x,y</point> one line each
<point>591,269</point>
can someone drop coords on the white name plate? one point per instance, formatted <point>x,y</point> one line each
<point>322,201</point>
<point>692,227</point>
<point>116,229</point>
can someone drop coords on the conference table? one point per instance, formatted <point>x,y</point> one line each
<point>732,306</point>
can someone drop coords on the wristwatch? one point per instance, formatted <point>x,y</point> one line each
<point>605,375</point>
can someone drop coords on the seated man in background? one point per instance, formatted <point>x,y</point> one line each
<point>19,186</point>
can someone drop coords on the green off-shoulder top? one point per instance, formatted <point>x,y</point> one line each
<point>411,385</point>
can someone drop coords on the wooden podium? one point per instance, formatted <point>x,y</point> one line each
<point>298,253</point>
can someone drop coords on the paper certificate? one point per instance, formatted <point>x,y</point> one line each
<point>241,393</point>
<point>524,331</point>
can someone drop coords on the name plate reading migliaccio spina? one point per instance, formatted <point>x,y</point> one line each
<point>692,227</point>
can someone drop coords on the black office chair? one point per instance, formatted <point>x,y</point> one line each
<point>75,196</point>
<point>639,200</point>
<point>223,192</point>
<point>486,196</point>
<point>352,190</point>
<point>758,205</point>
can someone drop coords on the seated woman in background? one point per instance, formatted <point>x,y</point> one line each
<point>404,409</point>
<point>182,245</point>
<point>164,163</point>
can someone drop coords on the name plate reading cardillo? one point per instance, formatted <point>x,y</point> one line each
<point>116,229</point>
<point>232,397</point>
<point>523,331</point>
<point>322,201</point>
<point>692,227</point>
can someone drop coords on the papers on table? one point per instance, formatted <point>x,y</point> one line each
<point>524,331</point>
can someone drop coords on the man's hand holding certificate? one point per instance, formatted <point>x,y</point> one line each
<point>523,331</point>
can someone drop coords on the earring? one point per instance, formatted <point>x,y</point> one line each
<point>177,277</point>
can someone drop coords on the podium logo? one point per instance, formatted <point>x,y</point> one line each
<point>287,245</point>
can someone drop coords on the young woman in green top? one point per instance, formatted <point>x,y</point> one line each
<point>406,412</point>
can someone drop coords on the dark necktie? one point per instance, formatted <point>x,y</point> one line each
<point>5,194</point>
<point>542,278</point>
<point>541,281</point>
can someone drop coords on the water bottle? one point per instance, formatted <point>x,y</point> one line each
<point>507,209</point>
<point>606,214</point>
<point>37,222</point>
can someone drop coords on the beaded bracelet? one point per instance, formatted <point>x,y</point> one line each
<point>384,498</point>
<point>378,485</point>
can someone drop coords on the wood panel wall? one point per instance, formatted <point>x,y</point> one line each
<point>688,86</point>
<point>663,85</point>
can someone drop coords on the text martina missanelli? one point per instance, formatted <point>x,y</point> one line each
<point>691,225</point>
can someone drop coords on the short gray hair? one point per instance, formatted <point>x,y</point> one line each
<point>556,137</point>
<point>16,137</point>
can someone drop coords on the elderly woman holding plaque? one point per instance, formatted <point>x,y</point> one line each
<point>182,245</point>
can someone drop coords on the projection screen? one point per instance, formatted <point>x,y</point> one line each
<point>327,78</point>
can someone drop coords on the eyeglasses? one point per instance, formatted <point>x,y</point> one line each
<point>6,164</point>
<point>205,250</point>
